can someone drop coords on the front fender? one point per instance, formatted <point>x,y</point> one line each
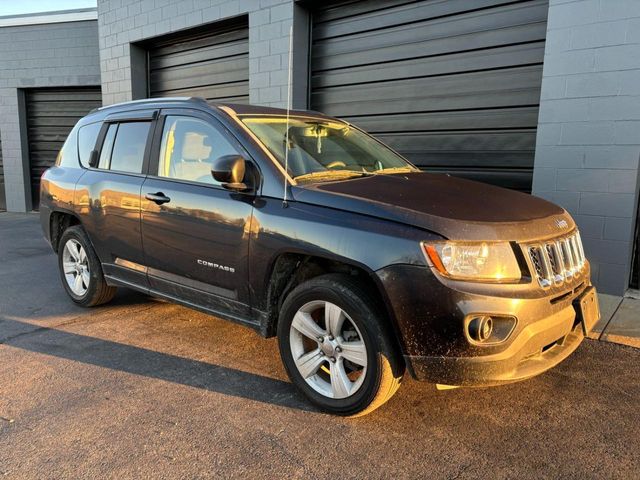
<point>364,242</point>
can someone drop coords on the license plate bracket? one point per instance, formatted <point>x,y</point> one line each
<point>587,309</point>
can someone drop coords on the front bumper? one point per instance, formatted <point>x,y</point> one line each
<point>539,347</point>
<point>437,350</point>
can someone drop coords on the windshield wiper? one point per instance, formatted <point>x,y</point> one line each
<point>337,174</point>
<point>331,175</point>
<point>384,171</point>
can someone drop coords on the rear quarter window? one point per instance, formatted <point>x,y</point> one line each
<point>68,154</point>
<point>87,136</point>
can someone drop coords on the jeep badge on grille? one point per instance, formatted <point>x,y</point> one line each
<point>561,223</point>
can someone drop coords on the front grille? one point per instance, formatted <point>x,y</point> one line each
<point>558,260</point>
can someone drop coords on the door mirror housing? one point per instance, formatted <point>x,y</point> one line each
<point>229,170</point>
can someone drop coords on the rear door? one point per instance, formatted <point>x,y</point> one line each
<point>195,232</point>
<point>108,195</point>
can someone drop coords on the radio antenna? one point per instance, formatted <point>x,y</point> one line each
<point>286,135</point>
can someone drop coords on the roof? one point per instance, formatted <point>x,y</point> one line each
<point>235,108</point>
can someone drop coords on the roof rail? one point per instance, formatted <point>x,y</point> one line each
<point>152,100</point>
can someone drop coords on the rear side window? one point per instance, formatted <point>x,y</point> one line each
<point>87,137</point>
<point>123,147</point>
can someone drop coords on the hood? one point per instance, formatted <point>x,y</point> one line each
<point>455,208</point>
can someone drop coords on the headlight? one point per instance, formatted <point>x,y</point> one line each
<point>480,261</point>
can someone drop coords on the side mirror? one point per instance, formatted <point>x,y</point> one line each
<point>229,171</point>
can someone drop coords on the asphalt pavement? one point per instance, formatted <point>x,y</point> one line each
<point>142,388</point>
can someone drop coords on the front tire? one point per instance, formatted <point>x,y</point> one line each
<point>80,269</point>
<point>336,348</point>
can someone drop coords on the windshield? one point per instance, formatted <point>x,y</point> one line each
<point>322,150</point>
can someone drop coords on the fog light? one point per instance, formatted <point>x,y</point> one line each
<point>489,329</point>
<point>480,328</point>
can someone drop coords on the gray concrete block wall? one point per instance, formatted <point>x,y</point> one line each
<point>588,142</point>
<point>122,22</point>
<point>48,55</point>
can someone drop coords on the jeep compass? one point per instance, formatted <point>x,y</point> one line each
<point>302,226</point>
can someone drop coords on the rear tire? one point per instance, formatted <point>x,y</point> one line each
<point>336,347</point>
<point>80,269</point>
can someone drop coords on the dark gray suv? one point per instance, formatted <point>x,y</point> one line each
<point>304,227</point>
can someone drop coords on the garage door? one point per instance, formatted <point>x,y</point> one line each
<point>212,63</point>
<point>454,85</point>
<point>51,114</point>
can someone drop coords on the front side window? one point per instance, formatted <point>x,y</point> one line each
<point>189,147</point>
<point>320,150</point>
<point>123,147</point>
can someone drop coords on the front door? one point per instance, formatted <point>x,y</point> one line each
<point>194,231</point>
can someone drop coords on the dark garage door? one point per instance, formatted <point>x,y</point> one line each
<point>51,114</point>
<point>454,85</point>
<point>211,62</point>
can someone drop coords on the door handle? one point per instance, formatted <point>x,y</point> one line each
<point>159,198</point>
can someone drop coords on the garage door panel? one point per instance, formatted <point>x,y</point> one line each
<point>488,100</point>
<point>227,93</point>
<point>453,85</point>
<point>186,42</point>
<point>390,54</point>
<point>195,56</point>
<point>500,57</point>
<point>469,91</point>
<point>59,109</point>
<point>429,15</point>
<point>46,143</point>
<point>51,114</point>
<point>211,62</point>
<point>476,142</point>
<point>433,121</point>
<point>205,73</point>
<point>355,8</point>
<point>468,83</point>
<point>383,14</point>
<point>492,28</point>
<point>60,96</point>
<point>56,118</point>
<point>444,159</point>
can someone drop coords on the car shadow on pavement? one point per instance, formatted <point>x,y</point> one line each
<point>152,364</point>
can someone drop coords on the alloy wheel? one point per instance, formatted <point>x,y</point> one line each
<point>75,264</point>
<point>328,349</point>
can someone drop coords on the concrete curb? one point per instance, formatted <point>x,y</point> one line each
<point>620,322</point>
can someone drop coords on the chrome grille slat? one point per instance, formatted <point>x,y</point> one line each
<point>558,260</point>
<point>568,273</point>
